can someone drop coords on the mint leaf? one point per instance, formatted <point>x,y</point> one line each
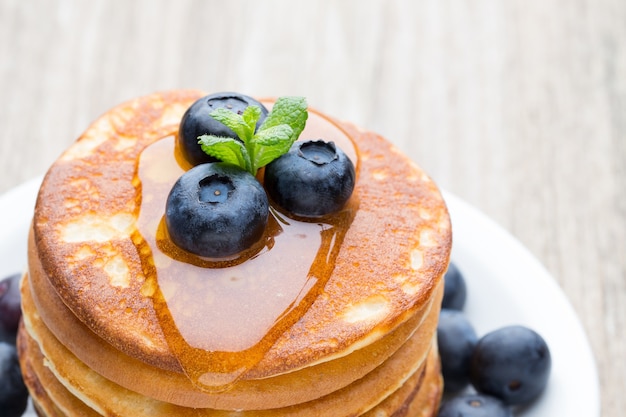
<point>236,122</point>
<point>274,136</point>
<point>271,143</point>
<point>251,116</point>
<point>279,131</point>
<point>291,111</point>
<point>225,149</point>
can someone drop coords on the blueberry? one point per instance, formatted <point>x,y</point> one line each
<point>455,290</point>
<point>456,339</point>
<point>216,210</point>
<point>512,363</point>
<point>474,405</point>
<point>10,312</point>
<point>13,392</point>
<point>197,122</point>
<point>313,179</point>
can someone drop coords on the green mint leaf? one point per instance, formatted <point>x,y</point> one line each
<point>274,138</point>
<point>235,122</point>
<point>251,116</point>
<point>270,143</point>
<point>225,149</point>
<point>291,111</point>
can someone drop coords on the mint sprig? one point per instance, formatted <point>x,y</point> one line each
<point>279,131</point>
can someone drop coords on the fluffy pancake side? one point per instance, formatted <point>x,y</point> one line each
<point>86,393</point>
<point>279,392</point>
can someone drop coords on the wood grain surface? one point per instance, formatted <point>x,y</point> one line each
<point>518,107</point>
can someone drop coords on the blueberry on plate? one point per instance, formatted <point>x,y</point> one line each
<point>10,312</point>
<point>313,179</point>
<point>456,339</point>
<point>216,210</point>
<point>474,405</point>
<point>197,122</point>
<point>512,363</point>
<point>13,392</point>
<point>455,290</point>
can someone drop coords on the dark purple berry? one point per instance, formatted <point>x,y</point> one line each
<point>456,339</point>
<point>474,405</point>
<point>13,392</point>
<point>512,363</point>
<point>197,122</point>
<point>313,179</point>
<point>216,210</point>
<point>455,290</point>
<point>10,311</point>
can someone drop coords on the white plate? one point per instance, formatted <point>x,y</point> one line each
<point>506,285</point>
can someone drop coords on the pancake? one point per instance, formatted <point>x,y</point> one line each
<point>108,398</point>
<point>286,389</point>
<point>418,395</point>
<point>317,310</point>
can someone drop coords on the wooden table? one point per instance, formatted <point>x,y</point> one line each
<point>518,107</point>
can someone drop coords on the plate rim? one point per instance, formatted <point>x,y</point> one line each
<point>469,220</point>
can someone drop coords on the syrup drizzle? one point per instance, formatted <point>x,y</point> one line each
<point>220,317</point>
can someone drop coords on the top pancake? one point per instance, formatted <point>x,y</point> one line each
<point>87,236</point>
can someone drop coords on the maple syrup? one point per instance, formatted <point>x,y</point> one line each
<point>220,316</point>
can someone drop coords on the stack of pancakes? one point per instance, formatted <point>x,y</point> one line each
<point>117,323</point>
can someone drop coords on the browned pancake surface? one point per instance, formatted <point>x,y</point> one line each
<point>391,260</point>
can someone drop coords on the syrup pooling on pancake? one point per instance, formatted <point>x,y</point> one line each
<point>219,317</point>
